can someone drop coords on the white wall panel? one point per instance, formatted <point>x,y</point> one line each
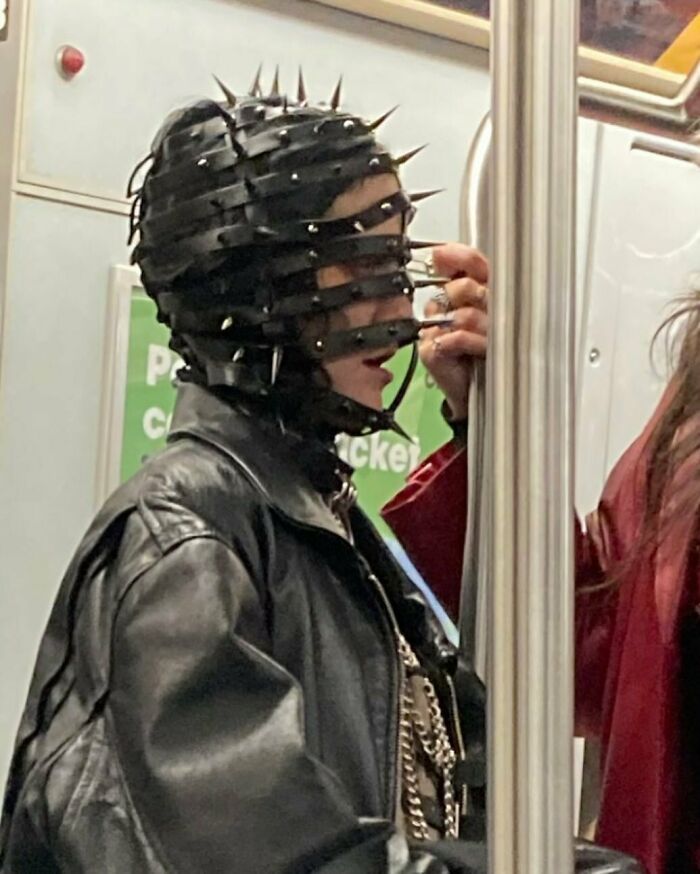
<point>645,251</point>
<point>145,58</point>
<point>49,414</point>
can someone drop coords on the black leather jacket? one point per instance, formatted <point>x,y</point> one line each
<point>217,687</point>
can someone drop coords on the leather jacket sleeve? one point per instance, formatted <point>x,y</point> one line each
<point>208,731</point>
<point>210,738</point>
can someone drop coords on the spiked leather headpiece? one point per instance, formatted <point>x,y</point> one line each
<point>230,218</point>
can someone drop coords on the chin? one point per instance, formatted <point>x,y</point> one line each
<point>370,399</point>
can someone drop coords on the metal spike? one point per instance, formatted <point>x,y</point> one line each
<point>437,322</point>
<point>424,195</point>
<point>423,244</point>
<point>275,92</point>
<point>255,89</point>
<point>226,91</point>
<point>382,118</point>
<point>302,99</point>
<point>276,363</point>
<point>335,99</point>
<point>407,157</point>
<point>394,426</point>
<point>428,283</point>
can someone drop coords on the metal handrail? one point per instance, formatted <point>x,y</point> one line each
<point>649,113</point>
<point>677,151</point>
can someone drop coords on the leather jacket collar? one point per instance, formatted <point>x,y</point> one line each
<point>294,473</point>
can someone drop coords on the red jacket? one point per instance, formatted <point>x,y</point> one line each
<point>630,689</point>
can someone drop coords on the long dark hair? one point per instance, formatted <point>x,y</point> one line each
<point>676,437</point>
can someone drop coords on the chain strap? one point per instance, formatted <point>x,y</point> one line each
<point>435,744</point>
<point>345,498</point>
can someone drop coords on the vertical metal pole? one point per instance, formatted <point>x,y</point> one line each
<point>530,385</point>
<point>474,229</point>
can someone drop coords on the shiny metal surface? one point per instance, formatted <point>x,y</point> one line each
<point>530,438</point>
<point>677,151</point>
<point>474,214</point>
<point>651,113</point>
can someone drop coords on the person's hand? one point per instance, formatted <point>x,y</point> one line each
<point>447,352</point>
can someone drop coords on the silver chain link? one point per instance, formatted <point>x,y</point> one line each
<point>435,744</point>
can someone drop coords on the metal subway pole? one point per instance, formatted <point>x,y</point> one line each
<point>474,229</point>
<point>530,437</point>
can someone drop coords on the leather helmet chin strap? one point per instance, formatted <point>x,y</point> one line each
<point>357,419</point>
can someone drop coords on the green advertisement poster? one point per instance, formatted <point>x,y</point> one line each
<point>382,461</point>
<point>150,395</point>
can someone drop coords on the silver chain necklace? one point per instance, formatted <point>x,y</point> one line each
<point>434,741</point>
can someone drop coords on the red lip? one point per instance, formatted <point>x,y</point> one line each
<point>379,360</point>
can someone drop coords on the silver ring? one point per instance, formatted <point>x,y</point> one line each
<point>442,299</point>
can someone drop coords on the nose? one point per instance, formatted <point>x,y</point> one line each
<point>397,307</point>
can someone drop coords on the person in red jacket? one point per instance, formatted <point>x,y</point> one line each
<point>637,579</point>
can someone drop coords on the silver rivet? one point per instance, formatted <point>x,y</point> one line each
<point>312,229</point>
<point>312,255</point>
<point>387,208</point>
<point>202,162</point>
<point>594,356</point>
<point>319,345</point>
<point>349,124</point>
<point>374,163</point>
<point>283,134</point>
<point>294,177</point>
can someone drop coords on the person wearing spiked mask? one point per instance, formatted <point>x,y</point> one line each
<point>237,676</point>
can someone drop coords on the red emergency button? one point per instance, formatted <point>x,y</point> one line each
<point>70,61</point>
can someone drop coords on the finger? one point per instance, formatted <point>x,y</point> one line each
<point>467,293</point>
<point>454,259</point>
<point>427,335</point>
<point>468,319</point>
<point>453,346</point>
<point>433,308</point>
<point>457,294</point>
